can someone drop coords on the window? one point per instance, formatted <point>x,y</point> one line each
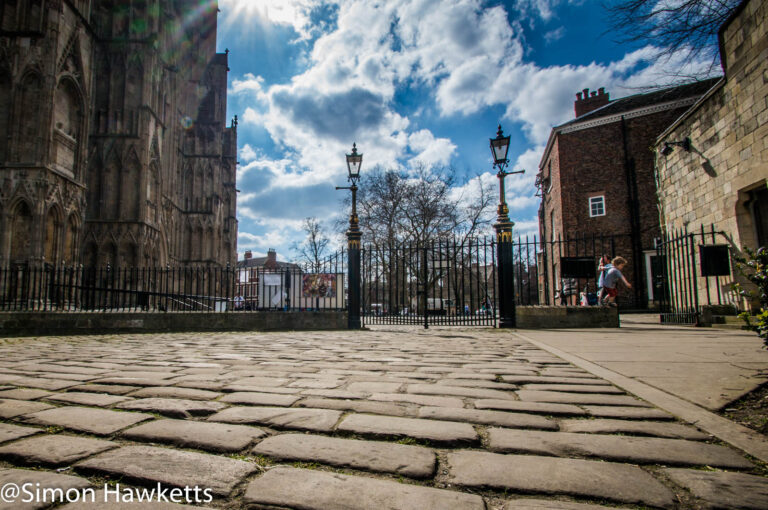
<point>758,200</point>
<point>597,206</point>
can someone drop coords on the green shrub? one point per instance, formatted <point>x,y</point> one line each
<point>754,267</point>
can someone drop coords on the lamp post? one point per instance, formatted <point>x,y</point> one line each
<point>354,161</point>
<point>503,226</point>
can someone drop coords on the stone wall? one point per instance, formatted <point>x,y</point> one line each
<point>728,130</point>
<point>715,182</point>
<point>565,317</point>
<point>50,323</point>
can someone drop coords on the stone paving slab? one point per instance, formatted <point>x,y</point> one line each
<point>173,407</point>
<point>643,428</point>
<point>260,389</point>
<point>44,479</point>
<point>645,450</point>
<point>547,475</point>
<point>54,450</point>
<point>259,399</point>
<point>43,383</point>
<point>360,406</point>
<point>147,464</point>
<point>316,490</point>
<point>375,387</point>
<point>101,422</point>
<point>575,388</point>
<point>628,413</point>
<point>472,383</point>
<point>112,389</point>
<point>546,504</point>
<point>214,437</point>
<point>445,390</point>
<point>717,489</point>
<point>10,408</point>
<point>580,398</point>
<point>539,379</point>
<point>497,418</point>
<point>133,381</point>
<point>530,407</point>
<point>175,392</point>
<point>10,432</point>
<point>424,400</point>
<point>406,460</point>
<point>86,399</point>
<point>446,432</point>
<point>23,394</point>
<point>316,420</point>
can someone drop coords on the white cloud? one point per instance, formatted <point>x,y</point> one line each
<point>247,153</point>
<point>467,57</point>
<point>246,13</point>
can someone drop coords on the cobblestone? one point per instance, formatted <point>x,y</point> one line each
<point>215,437</point>
<point>85,419</point>
<point>54,450</point>
<point>10,432</point>
<point>446,432</point>
<point>313,490</point>
<point>170,467</point>
<point>644,450</point>
<point>316,420</point>
<point>384,419</point>
<point>413,461</point>
<point>615,482</point>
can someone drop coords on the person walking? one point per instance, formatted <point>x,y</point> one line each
<point>612,278</point>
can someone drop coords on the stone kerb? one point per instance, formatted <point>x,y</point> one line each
<point>558,317</point>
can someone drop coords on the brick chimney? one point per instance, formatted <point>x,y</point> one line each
<point>271,262</point>
<point>587,101</point>
<point>248,255</point>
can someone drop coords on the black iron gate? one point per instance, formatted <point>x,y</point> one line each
<point>694,270</point>
<point>445,282</point>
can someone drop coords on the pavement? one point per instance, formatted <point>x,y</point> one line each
<point>394,417</point>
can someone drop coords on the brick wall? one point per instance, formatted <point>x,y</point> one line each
<point>591,162</point>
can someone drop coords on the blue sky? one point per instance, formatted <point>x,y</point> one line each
<point>409,81</point>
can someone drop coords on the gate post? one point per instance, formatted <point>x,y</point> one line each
<point>353,268</point>
<point>505,261</point>
<point>503,226</point>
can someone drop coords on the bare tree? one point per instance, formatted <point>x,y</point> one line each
<point>315,244</point>
<point>673,26</point>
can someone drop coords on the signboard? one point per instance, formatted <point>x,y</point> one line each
<point>715,260</point>
<point>273,280</point>
<point>318,285</point>
<point>578,267</point>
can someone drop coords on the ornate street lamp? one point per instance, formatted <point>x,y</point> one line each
<point>354,161</point>
<point>503,226</point>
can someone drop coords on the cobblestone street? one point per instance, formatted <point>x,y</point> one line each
<point>389,418</point>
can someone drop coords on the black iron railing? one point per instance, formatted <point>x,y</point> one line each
<point>291,287</point>
<point>696,269</point>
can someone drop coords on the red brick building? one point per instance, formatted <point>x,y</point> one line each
<point>596,178</point>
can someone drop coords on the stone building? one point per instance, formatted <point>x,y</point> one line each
<point>596,178</point>
<point>114,147</point>
<point>712,162</point>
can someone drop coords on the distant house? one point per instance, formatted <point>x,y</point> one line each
<point>596,178</point>
<point>265,282</point>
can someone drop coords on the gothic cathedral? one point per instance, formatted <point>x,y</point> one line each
<point>114,147</point>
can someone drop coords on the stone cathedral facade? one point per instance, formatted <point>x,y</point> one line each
<point>114,144</point>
